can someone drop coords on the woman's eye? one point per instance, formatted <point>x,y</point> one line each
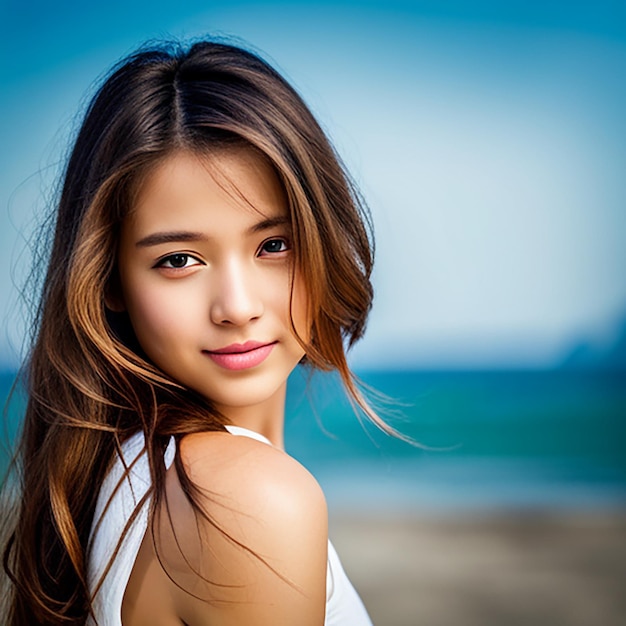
<point>177,261</point>
<point>274,246</point>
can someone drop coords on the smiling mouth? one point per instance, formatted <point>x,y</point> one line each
<point>241,356</point>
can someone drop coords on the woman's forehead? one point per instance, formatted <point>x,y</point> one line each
<point>185,183</point>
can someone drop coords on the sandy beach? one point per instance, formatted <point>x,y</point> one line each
<point>560,568</point>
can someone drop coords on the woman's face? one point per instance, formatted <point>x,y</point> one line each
<point>206,270</point>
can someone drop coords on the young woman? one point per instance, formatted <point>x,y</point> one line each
<point>207,241</point>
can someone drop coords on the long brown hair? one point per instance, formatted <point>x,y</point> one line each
<point>89,385</point>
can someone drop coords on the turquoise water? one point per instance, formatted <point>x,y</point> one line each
<point>486,439</point>
<point>491,439</point>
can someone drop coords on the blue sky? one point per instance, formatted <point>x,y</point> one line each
<point>488,137</point>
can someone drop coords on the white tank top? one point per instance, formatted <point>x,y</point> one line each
<point>343,605</point>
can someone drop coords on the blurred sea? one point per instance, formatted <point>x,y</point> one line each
<point>485,440</point>
<point>490,440</point>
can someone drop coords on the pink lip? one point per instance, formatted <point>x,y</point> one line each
<point>241,356</point>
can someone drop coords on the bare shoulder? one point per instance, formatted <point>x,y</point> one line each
<point>252,474</point>
<point>256,553</point>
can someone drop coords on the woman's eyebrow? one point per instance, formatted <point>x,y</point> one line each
<point>174,236</point>
<point>168,237</point>
<point>270,222</point>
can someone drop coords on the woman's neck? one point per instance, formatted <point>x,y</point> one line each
<point>267,419</point>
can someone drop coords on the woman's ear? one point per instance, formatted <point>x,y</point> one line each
<point>114,304</point>
<point>113,297</point>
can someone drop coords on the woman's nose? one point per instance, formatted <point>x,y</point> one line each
<point>236,295</point>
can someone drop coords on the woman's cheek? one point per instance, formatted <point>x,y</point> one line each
<point>160,318</point>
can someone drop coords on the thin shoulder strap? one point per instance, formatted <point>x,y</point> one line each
<point>245,432</point>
